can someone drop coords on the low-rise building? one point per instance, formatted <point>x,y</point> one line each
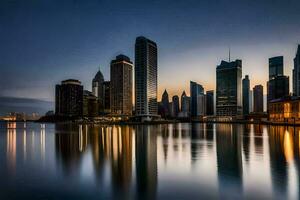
<point>285,109</point>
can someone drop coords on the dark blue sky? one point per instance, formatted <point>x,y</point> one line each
<point>43,42</point>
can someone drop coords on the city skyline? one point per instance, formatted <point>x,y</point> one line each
<point>186,50</point>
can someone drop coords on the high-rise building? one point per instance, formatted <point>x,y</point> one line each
<point>195,90</point>
<point>185,104</point>
<point>251,101</point>
<point>246,92</point>
<point>175,100</point>
<point>278,84</point>
<point>145,78</point>
<point>229,86</point>
<point>258,97</point>
<point>121,85</point>
<point>296,73</point>
<point>210,103</point>
<point>69,98</point>
<point>165,110</point>
<point>106,95</point>
<point>275,66</point>
<point>201,105</point>
<point>98,89</point>
<point>278,87</point>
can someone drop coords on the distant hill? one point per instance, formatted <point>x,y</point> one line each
<point>26,105</point>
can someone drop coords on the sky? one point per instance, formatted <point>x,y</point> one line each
<point>45,41</point>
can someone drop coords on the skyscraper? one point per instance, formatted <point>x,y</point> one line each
<point>195,90</point>
<point>98,89</point>
<point>246,92</point>
<point>210,102</point>
<point>278,84</point>
<point>145,78</point>
<point>175,100</point>
<point>258,97</point>
<point>69,98</point>
<point>165,112</point>
<point>296,73</point>
<point>121,85</point>
<point>229,86</point>
<point>185,104</point>
<point>275,66</point>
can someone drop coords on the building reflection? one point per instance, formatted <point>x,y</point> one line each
<point>246,141</point>
<point>11,146</point>
<point>197,138</point>
<point>280,154</point>
<point>258,139</point>
<point>229,160</point>
<point>146,161</point>
<point>111,145</point>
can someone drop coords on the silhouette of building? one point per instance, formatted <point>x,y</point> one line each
<point>246,94</point>
<point>121,85</point>
<point>145,78</point>
<point>90,104</point>
<point>98,89</point>
<point>278,87</point>
<point>69,98</point>
<point>275,67</point>
<point>175,100</point>
<point>229,86</point>
<point>165,110</point>
<point>195,91</point>
<point>210,103</point>
<point>278,84</point>
<point>296,73</point>
<point>185,105</point>
<point>106,95</point>
<point>258,97</point>
<point>201,105</point>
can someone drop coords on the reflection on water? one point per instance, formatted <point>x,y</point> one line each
<point>175,161</point>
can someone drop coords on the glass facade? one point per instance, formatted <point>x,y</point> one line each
<point>228,92</point>
<point>275,66</point>
<point>195,90</point>
<point>145,77</point>
<point>296,74</point>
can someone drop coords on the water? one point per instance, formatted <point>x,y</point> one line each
<point>175,161</point>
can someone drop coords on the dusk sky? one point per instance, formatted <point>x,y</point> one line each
<point>43,42</point>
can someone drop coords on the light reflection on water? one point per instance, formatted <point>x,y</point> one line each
<point>175,161</point>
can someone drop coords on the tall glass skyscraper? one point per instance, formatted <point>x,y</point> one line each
<point>145,78</point>
<point>246,92</point>
<point>296,73</point>
<point>229,88</point>
<point>258,97</point>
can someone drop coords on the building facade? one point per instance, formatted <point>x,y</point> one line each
<point>175,100</point>
<point>145,78</point>
<point>121,86</point>
<point>285,109</point>
<point>90,104</point>
<point>275,67</point>
<point>278,87</point>
<point>165,110</point>
<point>246,95</point>
<point>210,103</point>
<point>106,95</point>
<point>69,98</point>
<point>185,105</point>
<point>296,73</point>
<point>228,88</point>
<point>195,90</point>
<point>258,99</point>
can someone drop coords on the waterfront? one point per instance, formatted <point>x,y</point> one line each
<point>168,161</point>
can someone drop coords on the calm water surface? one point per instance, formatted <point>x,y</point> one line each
<point>175,161</point>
